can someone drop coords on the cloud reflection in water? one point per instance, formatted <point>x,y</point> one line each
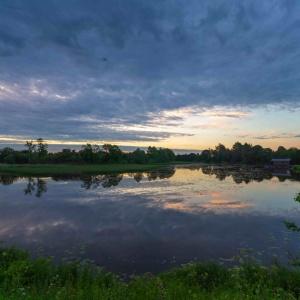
<point>140,225</point>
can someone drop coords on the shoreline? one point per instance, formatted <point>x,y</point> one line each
<point>71,169</point>
<point>98,169</point>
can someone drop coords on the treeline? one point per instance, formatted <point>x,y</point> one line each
<point>242,153</point>
<point>37,152</point>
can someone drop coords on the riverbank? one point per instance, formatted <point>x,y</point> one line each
<point>71,169</point>
<point>25,278</point>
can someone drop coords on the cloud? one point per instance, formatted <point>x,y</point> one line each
<point>226,114</point>
<point>270,136</point>
<point>125,62</point>
<point>279,136</point>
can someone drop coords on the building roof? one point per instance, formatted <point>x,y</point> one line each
<point>281,160</point>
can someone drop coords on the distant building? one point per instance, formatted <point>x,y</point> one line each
<point>281,163</point>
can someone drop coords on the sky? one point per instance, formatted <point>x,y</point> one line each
<point>170,73</point>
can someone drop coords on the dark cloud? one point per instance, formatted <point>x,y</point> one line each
<point>115,61</point>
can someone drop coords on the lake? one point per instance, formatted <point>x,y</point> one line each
<point>149,222</point>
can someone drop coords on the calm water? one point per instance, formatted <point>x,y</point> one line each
<point>148,222</point>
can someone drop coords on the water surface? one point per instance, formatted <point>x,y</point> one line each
<point>149,222</point>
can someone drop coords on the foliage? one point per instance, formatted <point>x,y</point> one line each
<point>42,148</point>
<point>25,278</point>
<point>292,225</point>
<point>138,156</point>
<point>296,170</point>
<point>37,152</point>
<point>297,198</point>
<point>242,153</point>
<point>160,154</point>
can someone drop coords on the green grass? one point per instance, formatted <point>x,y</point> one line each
<point>69,169</point>
<point>24,278</point>
<point>296,169</point>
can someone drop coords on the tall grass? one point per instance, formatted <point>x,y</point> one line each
<point>69,169</point>
<point>25,278</point>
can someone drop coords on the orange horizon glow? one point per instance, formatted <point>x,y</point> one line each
<point>198,129</point>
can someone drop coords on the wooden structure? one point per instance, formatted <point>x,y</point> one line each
<point>281,163</point>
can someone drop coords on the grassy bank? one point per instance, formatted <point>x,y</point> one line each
<point>23,278</point>
<point>69,169</point>
<point>296,169</point>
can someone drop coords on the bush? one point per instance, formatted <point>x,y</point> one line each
<point>25,278</point>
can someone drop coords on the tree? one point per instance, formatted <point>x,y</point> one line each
<point>42,148</point>
<point>87,153</point>
<point>31,147</point>
<point>138,156</point>
<point>206,156</point>
<point>291,225</point>
<point>221,153</point>
<point>237,152</point>
<point>113,153</point>
<point>160,154</point>
<point>92,154</point>
<point>5,152</point>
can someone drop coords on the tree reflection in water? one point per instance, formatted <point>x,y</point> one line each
<point>7,179</point>
<point>161,174</point>
<point>239,174</point>
<point>36,186</point>
<point>106,181</point>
